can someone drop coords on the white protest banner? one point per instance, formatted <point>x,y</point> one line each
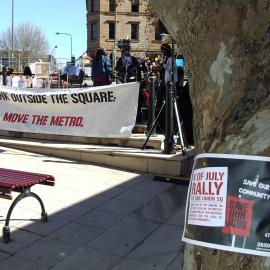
<point>104,111</point>
<point>228,203</point>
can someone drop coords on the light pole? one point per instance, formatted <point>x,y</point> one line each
<point>12,29</point>
<point>52,52</point>
<point>115,37</point>
<point>67,34</point>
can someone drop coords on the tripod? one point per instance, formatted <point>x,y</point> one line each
<point>170,109</point>
<point>171,105</point>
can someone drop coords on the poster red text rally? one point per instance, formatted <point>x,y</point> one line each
<point>228,203</point>
<point>208,197</point>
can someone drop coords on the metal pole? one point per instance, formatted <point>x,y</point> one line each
<point>12,30</point>
<point>169,123</point>
<point>169,138</point>
<point>152,110</point>
<point>179,124</point>
<point>173,60</point>
<point>114,45</point>
<point>19,62</point>
<point>58,33</point>
<point>9,58</point>
<point>59,78</point>
<point>71,54</point>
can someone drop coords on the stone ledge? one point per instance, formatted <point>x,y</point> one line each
<point>149,161</point>
<point>136,140</point>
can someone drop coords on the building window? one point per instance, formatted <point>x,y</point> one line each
<point>135,6</point>
<point>93,31</point>
<point>111,30</point>
<point>112,5</point>
<point>160,28</point>
<point>94,6</point>
<point>134,31</point>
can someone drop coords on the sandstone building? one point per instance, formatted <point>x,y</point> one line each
<point>108,22</point>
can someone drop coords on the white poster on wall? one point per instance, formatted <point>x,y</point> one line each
<point>208,197</point>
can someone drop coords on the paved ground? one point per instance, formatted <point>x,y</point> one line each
<point>99,218</point>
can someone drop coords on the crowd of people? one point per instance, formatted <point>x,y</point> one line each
<point>129,69</point>
<point>7,76</point>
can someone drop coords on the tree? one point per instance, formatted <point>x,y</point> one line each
<point>28,40</point>
<point>226,45</point>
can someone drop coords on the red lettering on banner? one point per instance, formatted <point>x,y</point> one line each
<point>39,119</point>
<point>16,117</point>
<point>238,216</point>
<point>71,121</point>
<point>42,120</point>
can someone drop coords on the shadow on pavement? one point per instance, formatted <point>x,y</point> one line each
<point>99,218</point>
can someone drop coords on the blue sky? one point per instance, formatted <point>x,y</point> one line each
<point>67,16</point>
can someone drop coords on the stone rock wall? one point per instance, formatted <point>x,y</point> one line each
<point>226,45</point>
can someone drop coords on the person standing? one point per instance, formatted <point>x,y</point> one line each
<point>4,74</point>
<point>28,75</point>
<point>101,69</point>
<point>128,67</point>
<point>9,77</point>
<point>165,72</point>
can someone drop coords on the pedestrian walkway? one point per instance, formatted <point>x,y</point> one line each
<point>99,218</point>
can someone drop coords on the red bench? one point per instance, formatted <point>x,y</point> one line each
<point>21,181</point>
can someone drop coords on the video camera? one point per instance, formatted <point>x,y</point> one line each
<point>123,43</point>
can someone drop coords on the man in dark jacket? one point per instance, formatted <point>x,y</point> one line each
<point>128,67</point>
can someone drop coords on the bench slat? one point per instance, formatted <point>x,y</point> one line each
<point>12,179</point>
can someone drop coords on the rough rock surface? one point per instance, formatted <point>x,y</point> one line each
<point>226,45</point>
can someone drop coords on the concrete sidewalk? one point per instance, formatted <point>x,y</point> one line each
<point>99,218</point>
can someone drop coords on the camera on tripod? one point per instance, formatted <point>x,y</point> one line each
<point>122,43</point>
